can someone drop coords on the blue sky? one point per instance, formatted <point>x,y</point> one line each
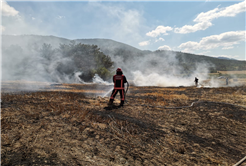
<point>199,27</point>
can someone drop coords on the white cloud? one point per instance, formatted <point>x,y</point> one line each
<point>227,39</point>
<point>229,11</point>
<point>165,47</point>
<point>16,23</point>
<point>159,30</point>
<point>204,19</point>
<point>237,57</point>
<point>227,56</point>
<point>227,48</point>
<point>60,17</point>
<point>8,10</point>
<point>117,22</point>
<point>144,43</point>
<point>193,28</point>
<point>124,24</point>
<point>160,39</point>
<point>128,20</point>
<point>2,28</point>
<point>189,46</point>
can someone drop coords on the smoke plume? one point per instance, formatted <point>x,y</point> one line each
<point>161,70</point>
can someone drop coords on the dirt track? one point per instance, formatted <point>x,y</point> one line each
<point>67,125</point>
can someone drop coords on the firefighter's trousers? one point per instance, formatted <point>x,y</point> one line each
<point>122,95</point>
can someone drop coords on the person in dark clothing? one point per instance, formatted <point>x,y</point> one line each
<point>227,81</point>
<point>119,80</point>
<point>196,81</point>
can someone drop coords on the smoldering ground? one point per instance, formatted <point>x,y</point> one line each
<point>67,128</point>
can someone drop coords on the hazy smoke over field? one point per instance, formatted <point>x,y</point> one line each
<point>27,60</point>
<point>30,65</point>
<point>45,65</point>
<point>161,70</point>
<point>152,69</point>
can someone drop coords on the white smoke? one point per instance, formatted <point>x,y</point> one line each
<point>97,79</point>
<point>164,80</point>
<point>155,79</point>
<point>28,65</point>
<point>78,79</point>
<point>161,70</point>
<point>221,81</point>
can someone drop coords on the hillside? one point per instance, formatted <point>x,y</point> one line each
<point>219,64</point>
<point>221,57</point>
<point>126,52</point>
<point>111,47</point>
<point>27,41</point>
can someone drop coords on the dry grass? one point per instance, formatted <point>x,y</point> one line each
<point>160,99</point>
<point>67,128</point>
<point>233,72</point>
<point>171,96</point>
<point>227,95</point>
<point>80,91</point>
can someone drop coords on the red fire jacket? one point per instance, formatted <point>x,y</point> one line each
<point>119,81</point>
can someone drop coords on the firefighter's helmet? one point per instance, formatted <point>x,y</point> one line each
<point>119,70</point>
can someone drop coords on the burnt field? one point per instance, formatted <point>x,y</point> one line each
<point>69,124</point>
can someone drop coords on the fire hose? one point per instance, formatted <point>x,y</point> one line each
<point>240,162</point>
<point>195,102</point>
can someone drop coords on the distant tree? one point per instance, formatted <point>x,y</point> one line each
<point>212,70</point>
<point>46,51</point>
<point>89,59</point>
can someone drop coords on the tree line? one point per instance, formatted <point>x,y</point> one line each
<point>55,64</point>
<point>86,58</point>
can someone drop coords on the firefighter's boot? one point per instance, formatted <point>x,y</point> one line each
<point>110,103</point>
<point>121,103</point>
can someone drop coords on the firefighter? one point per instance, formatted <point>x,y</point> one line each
<point>119,80</point>
<point>196,81</point>
<point>227,80</point>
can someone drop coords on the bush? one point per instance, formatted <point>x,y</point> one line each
<point>88,59</point>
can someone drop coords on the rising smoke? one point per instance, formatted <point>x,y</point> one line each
<point>151,69</point>
<point>161,70</point>
<point>34,61</point>
<point>28,64</point>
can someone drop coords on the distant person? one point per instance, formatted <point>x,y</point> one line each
<point>196,81</point>
<point>119,80</point>
<point>227,81</point>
